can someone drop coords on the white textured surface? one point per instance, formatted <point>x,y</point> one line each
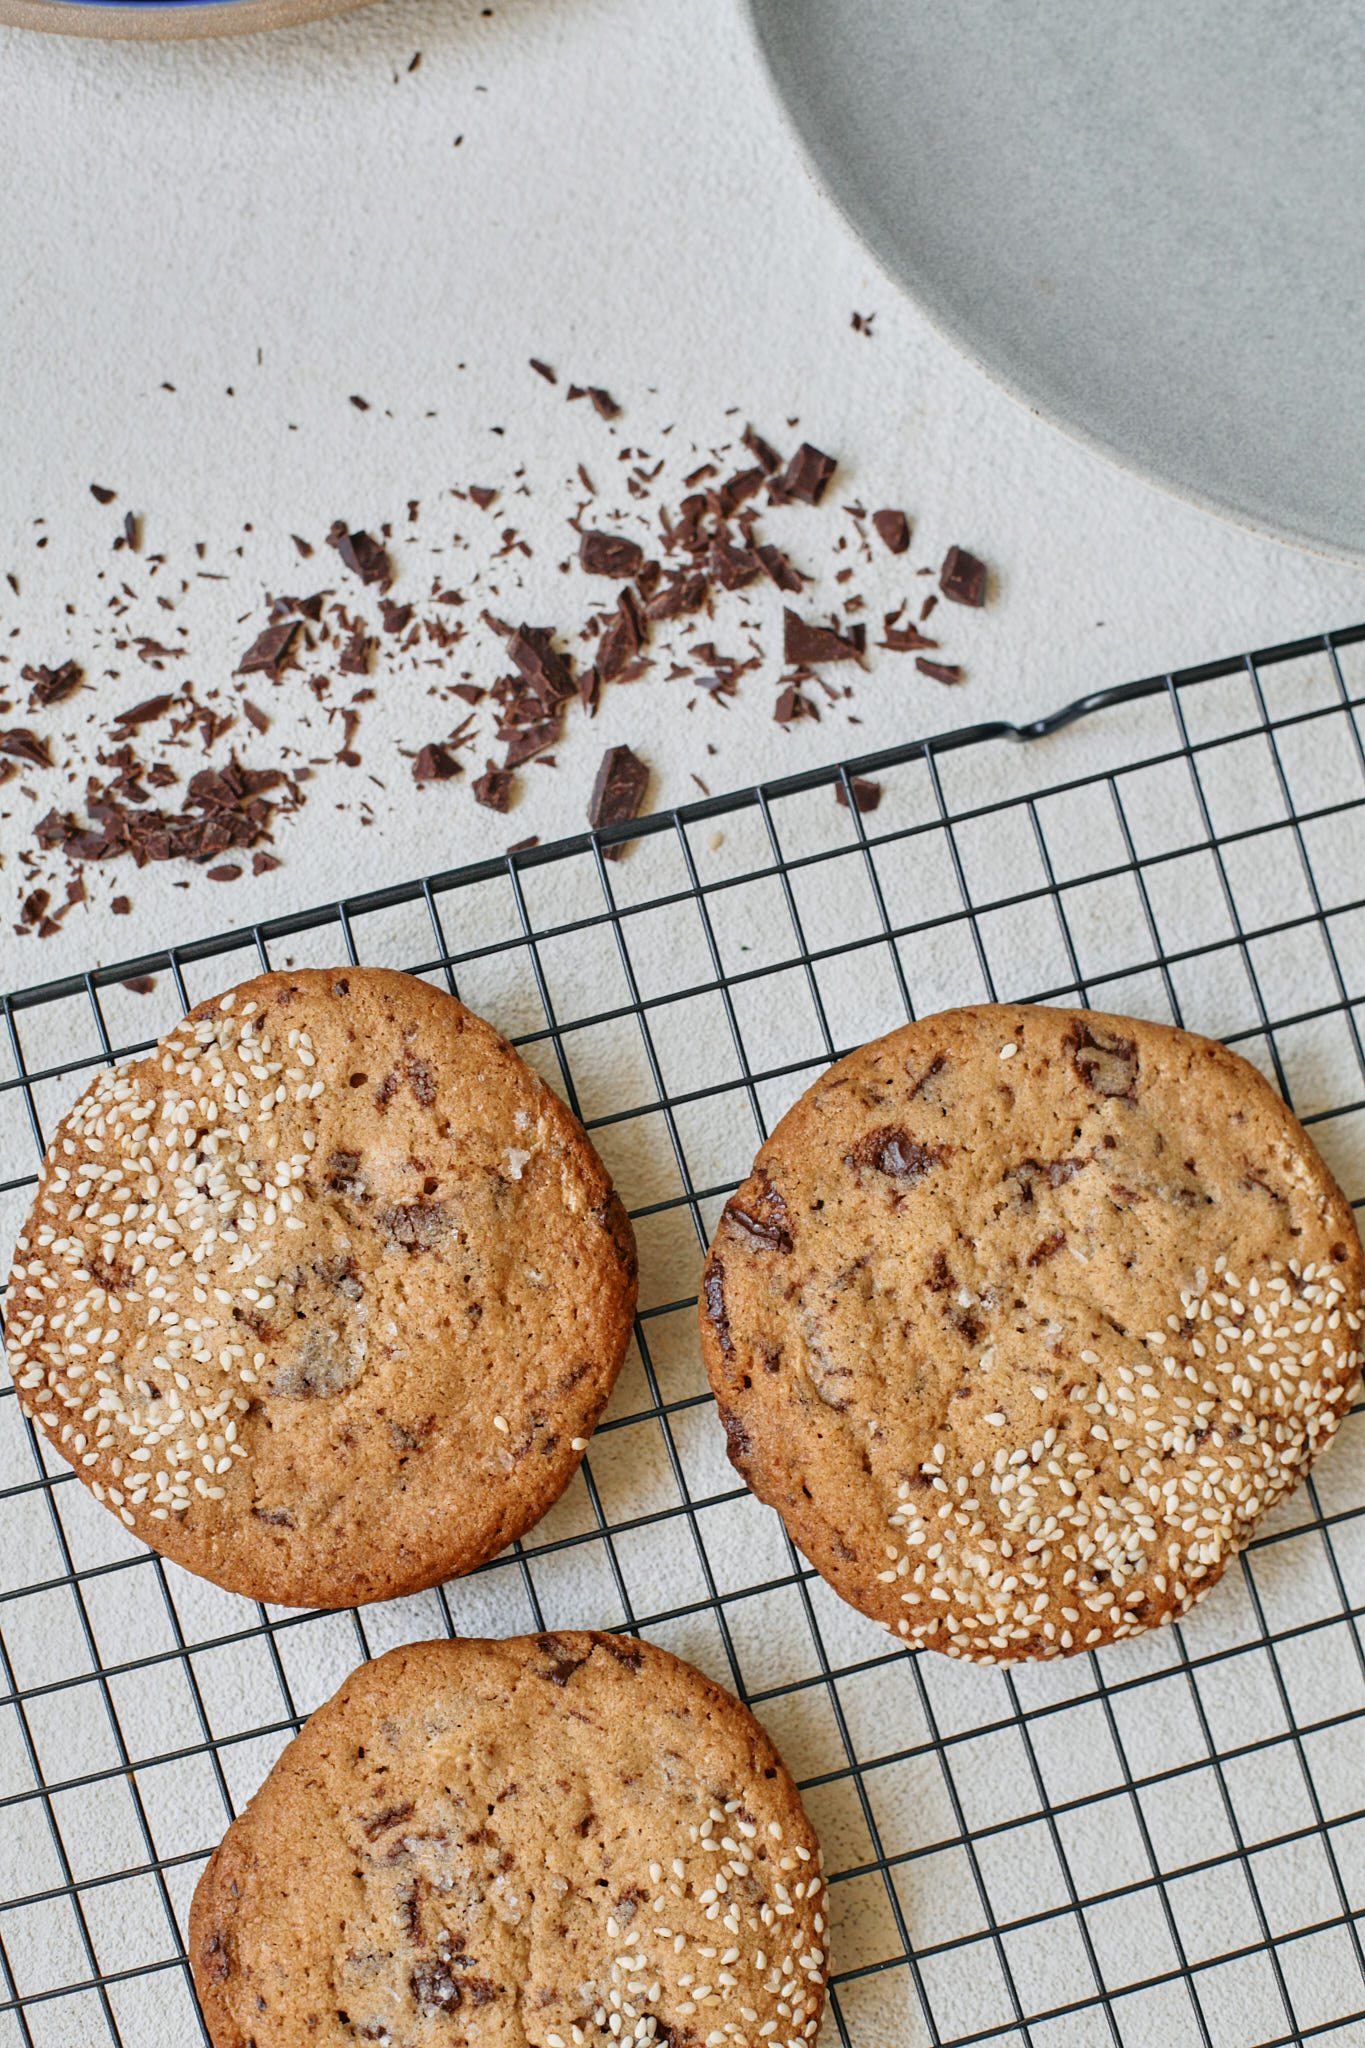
<point>627,205</point>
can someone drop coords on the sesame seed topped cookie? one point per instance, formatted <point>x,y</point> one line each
<point>1025,1317</point>
<point>324,1296</point>
<point>553,1842</point>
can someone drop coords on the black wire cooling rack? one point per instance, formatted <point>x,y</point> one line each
<point>1160,1843</point>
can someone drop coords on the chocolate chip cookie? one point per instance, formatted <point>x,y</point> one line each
<point>542,1843</point>
<point>324,1296</point>
<point>1025,1317</point>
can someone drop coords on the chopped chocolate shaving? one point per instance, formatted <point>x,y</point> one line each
<point>544,370</point>
<point>305,547</point>
<point>360,404</point>
<point>618,792</point>
<point>963,578</point>
<point>526,741</point>
<point>893,530</point>
<point>767,457</point>
<point>354,659</point>
<point>483,495</point>
<point>397,617</point>
<point>866,795</point>
<point>132,531</point>
<point>434,764</point>
<point>103,493</point>
<point>493,789</point>
<point>143,714</point>
<point>269,649</point>
<point>603,402</point>
<point>121,906</point>
<point>23,745</point>
<point>611,554</point>
<point>805,476</point>
<point>779,568</point>
<point>525,845</point>
<point>940,671</point>
<point>363,556</point>
<point>52,685</point>
<point>262,862</point>
<point>791,705</point>
<point>806,645</point>
<point>255,715</point>
<point>141,984</point>
<point>227,874</point>
<point>620,643</point>
<point>905,639</point>
<point>547,672</point>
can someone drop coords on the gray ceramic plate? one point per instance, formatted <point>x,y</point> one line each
<point>1147,222</point>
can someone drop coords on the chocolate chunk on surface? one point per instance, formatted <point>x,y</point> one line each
<point>611,554</point>
<point>809,646</point>
<point>893,530</point>
<point>963,578</point>
<point>618,791</point>
<point>806,475</point>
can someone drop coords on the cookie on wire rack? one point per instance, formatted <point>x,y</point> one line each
<point>1023,1320</point>
<point>555,1840</point>
<point>324,1296</point>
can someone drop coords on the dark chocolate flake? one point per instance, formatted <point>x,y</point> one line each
<point>963,578</point>
<point>618,792</point>
<point>434,763</point>
<point>806,645</point>
<point>52,685</point>
<point>940,671</point>
<point>893,529</point>
<point>361,554</point>
<point>23,745</point>
<point>611,554</point>
<point>103,493</point>
<point>866,795</point>
<point>493,789</point>
<point>806,475</point>
<point>269,649</point>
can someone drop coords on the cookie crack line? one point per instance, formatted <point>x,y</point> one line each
<point>1059,1306</point>
<point>320,1333</point>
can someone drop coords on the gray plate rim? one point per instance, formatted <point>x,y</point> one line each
<point>820,158</point>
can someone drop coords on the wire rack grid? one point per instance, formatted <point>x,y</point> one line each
<point>1163,1842</point>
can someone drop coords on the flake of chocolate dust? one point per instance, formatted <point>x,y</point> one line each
<point>224,874</point>
<point>525,845</point>
<point>143,713</point>
<point>141,984</point>
<point>121,906</point>
<point>866,795</point>
<point>541,370</point>
<point>483,495</point>
<point>305,547</point>
<point>103,493</point>
<point>962,579</point>
<point>255,715</point>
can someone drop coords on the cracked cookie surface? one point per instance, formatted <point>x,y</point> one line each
<point>548,1842</point>
<point>1025,1317</point>
<point>324,1296</point>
